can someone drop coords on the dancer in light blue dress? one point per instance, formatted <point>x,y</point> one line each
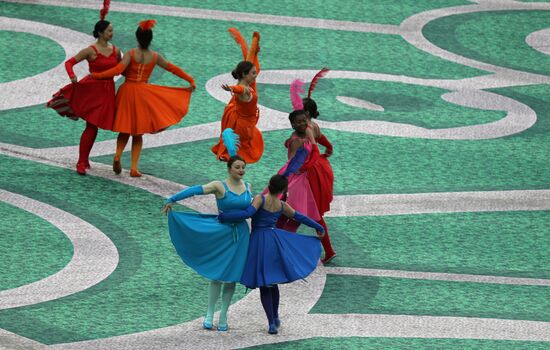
<point>213,249</point>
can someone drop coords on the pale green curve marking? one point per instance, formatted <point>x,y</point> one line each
<point>31,248</point>
<point>27,55</point>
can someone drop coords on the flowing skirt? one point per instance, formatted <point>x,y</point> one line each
<point>143,108</point>
<point>90,99</point>
<point>277,256</point>
<point>251,142</point>
<point>213,249</point>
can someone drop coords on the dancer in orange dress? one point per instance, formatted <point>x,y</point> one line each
<point>143,108</point>
<point>241,113</point>
<point>90,99</point>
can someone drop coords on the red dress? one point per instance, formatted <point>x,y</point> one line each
<point>321,181</point>
<point>90,99</point>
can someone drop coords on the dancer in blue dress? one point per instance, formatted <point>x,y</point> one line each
<point>274,255</point>
<point>213,249</point>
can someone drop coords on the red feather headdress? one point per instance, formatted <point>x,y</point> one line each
<point>147,24</point>
<point>315,79</point>
<point>296,88</point>
<point>104,10</point>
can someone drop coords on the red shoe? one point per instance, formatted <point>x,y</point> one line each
<point>134,173</point>
<point>328,258</point>
<point>81,168</point>
<point>117,168</point>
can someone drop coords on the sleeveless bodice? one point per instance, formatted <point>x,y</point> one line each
<point>102,62</point>
<point>232,201</point>
<point>307,145</point>
<point>248,110</point>
<point>138,72</point>
<point>264,218</point>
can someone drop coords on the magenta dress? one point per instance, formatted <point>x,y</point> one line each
<point>299,195</point>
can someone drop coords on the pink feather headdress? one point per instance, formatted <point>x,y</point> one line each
<point>147,24</point>
<point>296,88</point>
<point>315,79</point>
<point>104,10</point>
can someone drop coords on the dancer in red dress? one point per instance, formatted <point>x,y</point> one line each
<point>143,108</point>
<point>321,178</point>
<point>90,99</point>
<point>311,189</point>
<point>241,113</point>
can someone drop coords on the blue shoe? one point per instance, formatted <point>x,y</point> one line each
<point>272,329</point>
<point>207,323</point>
<point>278,322</point>
<point>222,327</point>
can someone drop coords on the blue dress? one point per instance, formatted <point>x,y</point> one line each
<point>213,249</point>
<point>277,256</point>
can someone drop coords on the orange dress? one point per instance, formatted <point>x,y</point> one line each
<point>242,117</point>
<point>143,108</point>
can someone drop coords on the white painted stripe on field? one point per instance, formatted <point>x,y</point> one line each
<point>248,326</point>
<point>412,32</point>
<point>12,341</point>
<point>439,202</point>
<point>210,14</point>
<point>94,258</point>
<point>341,206</point>
<point>437,276</point>
<point>40,88</point>
<point>357,102</point>
<point>540,41</point>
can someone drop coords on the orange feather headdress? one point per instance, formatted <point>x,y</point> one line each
<point>147,24</point>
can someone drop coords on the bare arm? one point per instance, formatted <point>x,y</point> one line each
<point>297,143</point>
<point>82,55</point>
<point>214,187</point>
<point>310,135</point>
<point>287,210</point>
<point>118,54</point>
<point>257,201</point>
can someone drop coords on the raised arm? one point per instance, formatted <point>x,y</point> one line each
<point>116,70</point>
<point>177,71</point>
<point>214,187</point>
<point>254,50</point>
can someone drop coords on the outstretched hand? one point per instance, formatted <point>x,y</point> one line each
<point>166,208</point>
<point>74,79</point>
<point>226,87</point>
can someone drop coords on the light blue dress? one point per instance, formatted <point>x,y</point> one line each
<point>213,249</point>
